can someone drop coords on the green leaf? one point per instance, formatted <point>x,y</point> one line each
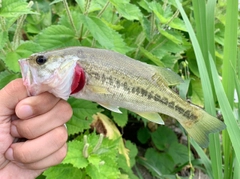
<point>27,48</point>
<point>152,57</point>
<point>157,163</point>
<point>197,93</point>
<point>120,119</point>
<point>75,156</point>
<point>133,151</point>
<point>82,115</point>
<point>63,171</point>
<point>143,135</point>
<point>106,37</point>
<point>6,77</point>
<point>55,1</point>
<point>94,160</point>
<point>163,137</point>
<point>127,10</point>
<point>24,50</point>
<point>103,122</point>
<point>11,61</point>
<point>56,36</point>
<point>229,118</point>
<point>77,20</point>
<point>107,153</point>
<point>179,153</point>
<point>125,169</point>
<point>14,8</point>
<point>165,16</point>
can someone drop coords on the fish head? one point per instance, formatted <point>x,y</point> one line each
<point>50,72</point>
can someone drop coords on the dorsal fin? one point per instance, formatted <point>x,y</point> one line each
<point>165,75</point>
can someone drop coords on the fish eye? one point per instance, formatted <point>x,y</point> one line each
<point>41,60</point>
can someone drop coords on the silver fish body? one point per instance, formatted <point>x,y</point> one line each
<point>114,80</point>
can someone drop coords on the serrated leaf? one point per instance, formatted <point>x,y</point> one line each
<point>27,48</point>
<point>133,151</point>
<point>179,153</point>
<point>75,155</point>
<point>144,5</point>
<point>127,10</point>
<point>120,119</point>
<point>143,135</point>
<point>24,50</point>
<point>11,61</point>
<point>14,8</point>
<point>63,171</point>
<point>82,115</point>
<point>56,36</point>
<point>163,137</point>
<point>165,16</point>
<point>103,161</point>
<point>111,132</point>
<point>103,172</point>
<point>108,169</point>
<point>64,20</point>
<point>152,57</point>
<point>158,163</point>
<point>146,25</point>
<point>171,36</point>
<point>95,5</point>
<point>170,60</point>
<point>94,160</point>
<point>6,77</point>
<point>107,37</point>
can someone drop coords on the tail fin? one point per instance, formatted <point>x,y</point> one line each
<point>203,127</point>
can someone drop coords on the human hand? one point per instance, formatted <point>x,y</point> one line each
<point>40,120</point>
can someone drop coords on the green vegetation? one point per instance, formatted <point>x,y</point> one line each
<point>197,39</point>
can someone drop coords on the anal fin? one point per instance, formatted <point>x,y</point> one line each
<point>151,116</point>
<point>111,108</point>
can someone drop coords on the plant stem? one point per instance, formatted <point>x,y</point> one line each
<point>17,34</point>
<point>69,15</point>
<point>189,159</point>
<point>103,9</point>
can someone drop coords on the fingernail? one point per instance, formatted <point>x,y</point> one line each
<point>9,154</point>
<point>14,131</point>
<point>26,111</point>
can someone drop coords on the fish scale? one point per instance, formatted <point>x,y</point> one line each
<point>114,80</point>
<point>136,92</point>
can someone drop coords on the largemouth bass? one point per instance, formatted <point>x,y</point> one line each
<point>114,80</point>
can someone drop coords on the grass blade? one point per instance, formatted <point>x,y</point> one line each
<point>204,18</point>
<point>229,119</point>
<point>228,74</point>
<point>207,90</point>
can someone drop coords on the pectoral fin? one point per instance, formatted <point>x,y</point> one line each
<point>98,89</point>
<point>111,108</point>
<point>151,116</point>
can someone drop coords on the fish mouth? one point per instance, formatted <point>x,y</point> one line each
<point>28,80</point>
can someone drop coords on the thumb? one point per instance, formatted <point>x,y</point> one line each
<point>10,95</point>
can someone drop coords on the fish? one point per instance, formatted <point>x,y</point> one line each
<point>114,81</point>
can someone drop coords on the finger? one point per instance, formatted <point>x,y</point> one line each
<point>42,124</point>
<point>39,148</point>
<point>51,160</point>
<point>36,105</point>
<point>10,95</point>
